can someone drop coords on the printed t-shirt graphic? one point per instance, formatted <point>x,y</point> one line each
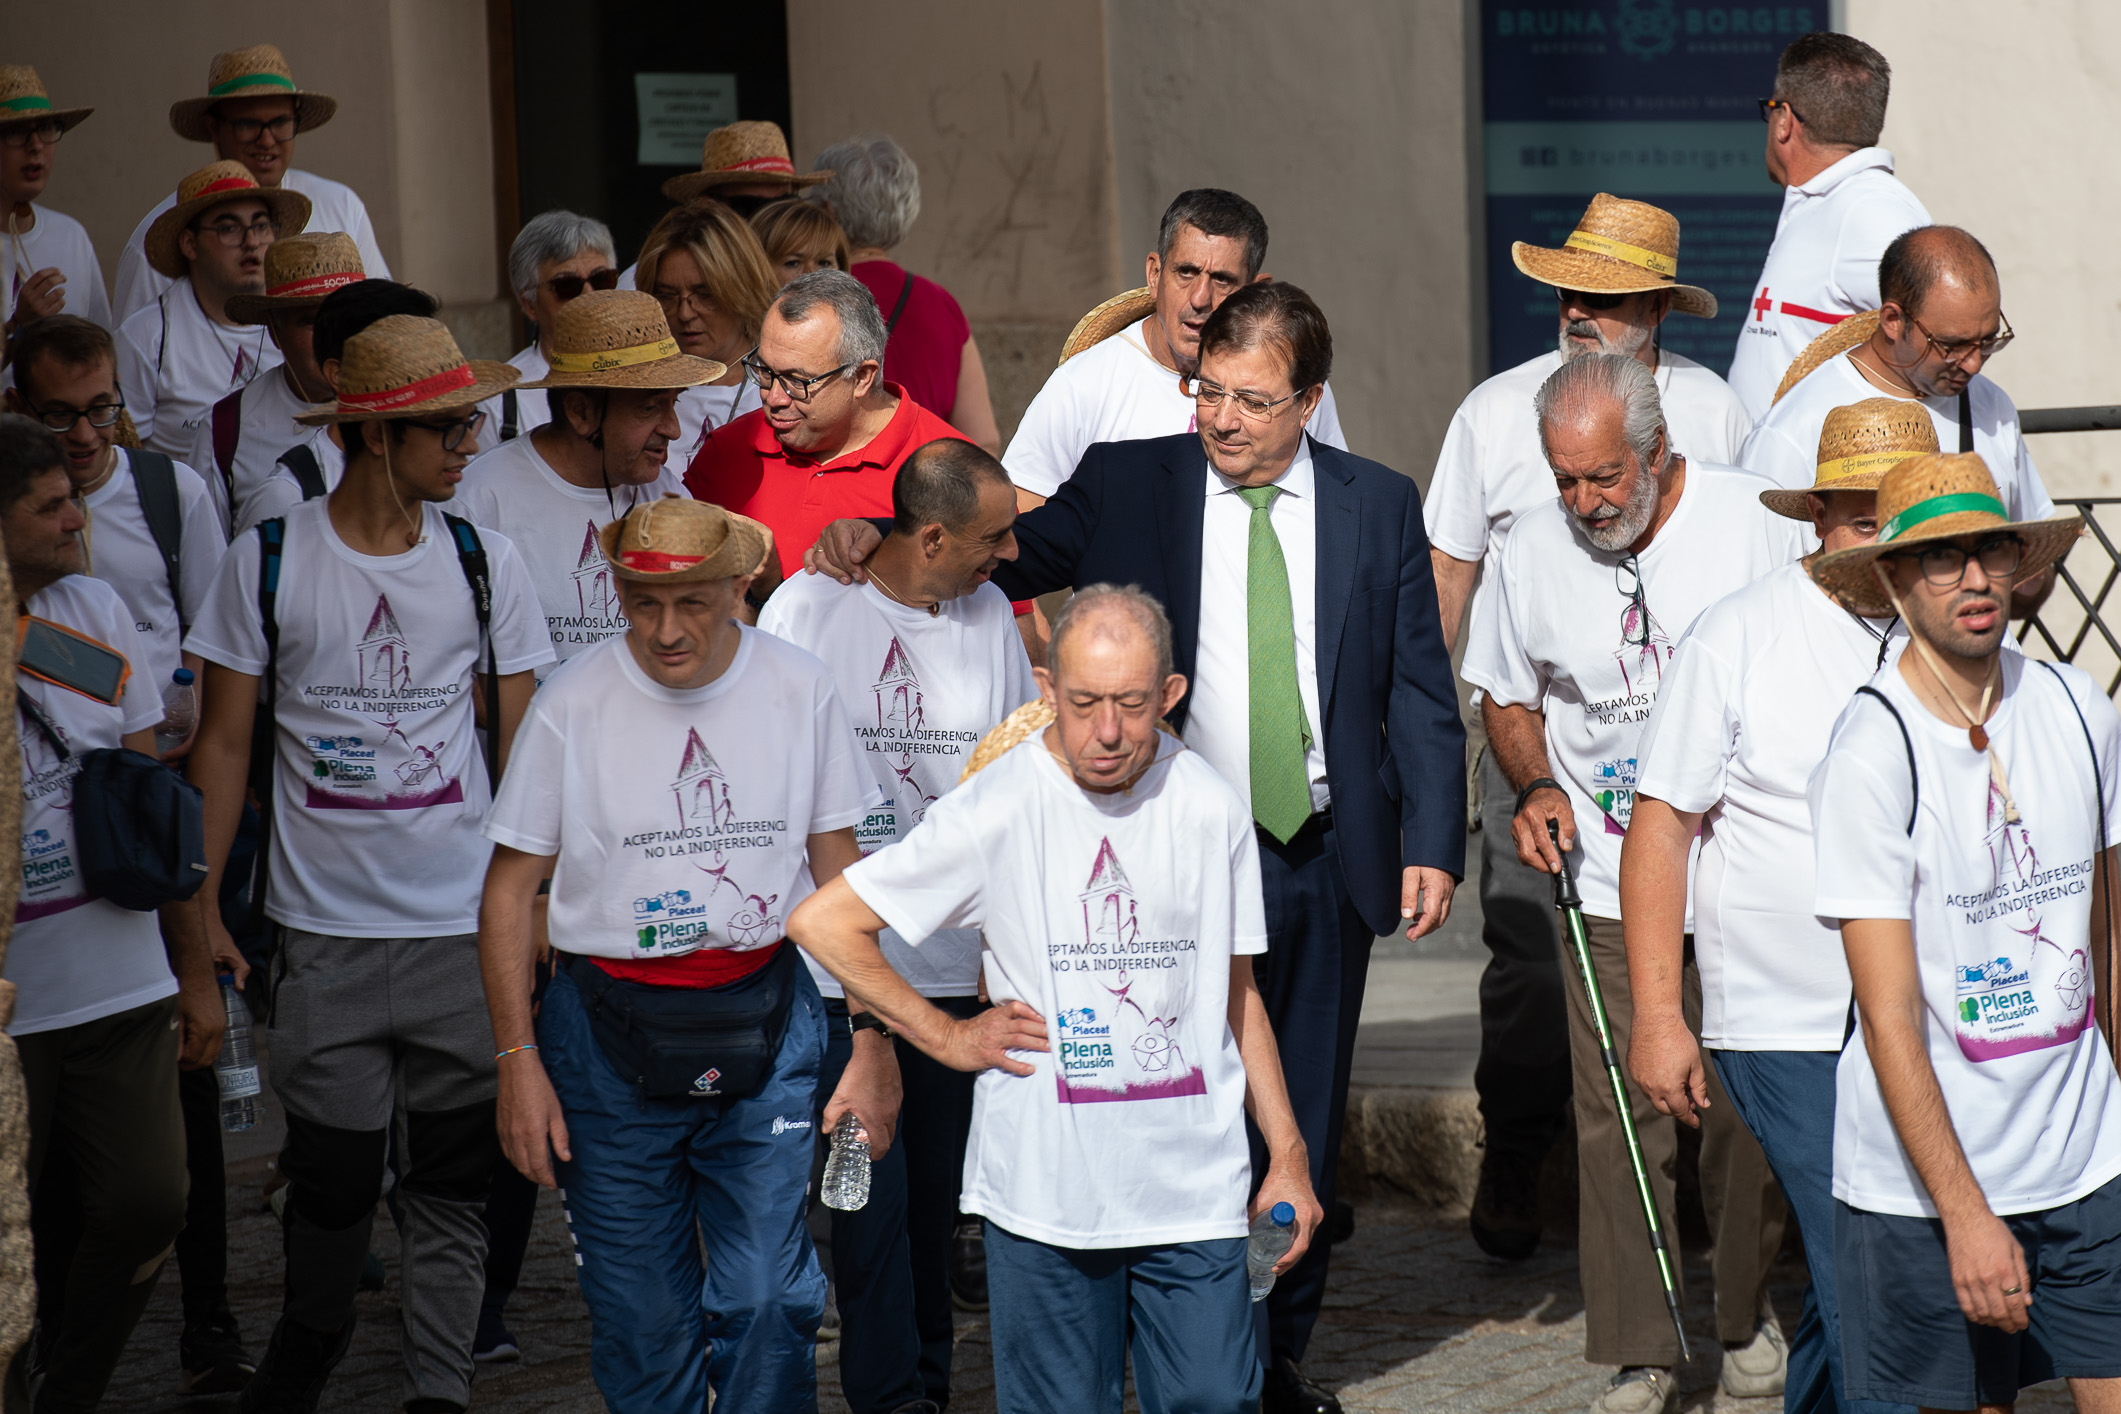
<point>921,692</point>
<point>1131,1047</point>
<point>672,845</point>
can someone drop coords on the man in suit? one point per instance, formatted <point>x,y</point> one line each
<point>1304,618</point>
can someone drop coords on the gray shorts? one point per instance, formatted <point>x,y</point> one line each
<point>360,1023</point>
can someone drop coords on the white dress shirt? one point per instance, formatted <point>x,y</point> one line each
<point>1219,721</point>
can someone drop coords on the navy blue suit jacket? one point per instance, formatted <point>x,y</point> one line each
<point>1395,747</point>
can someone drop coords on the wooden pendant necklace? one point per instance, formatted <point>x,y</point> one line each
<point>1976,733</point>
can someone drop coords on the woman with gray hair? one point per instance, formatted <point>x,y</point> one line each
<point>875,192</point>
<point>556,256</point>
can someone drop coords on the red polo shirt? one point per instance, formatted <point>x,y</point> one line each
<point>742,467</point>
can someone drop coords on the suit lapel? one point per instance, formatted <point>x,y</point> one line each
<point>1338,542</point>
<point>1181,498</point>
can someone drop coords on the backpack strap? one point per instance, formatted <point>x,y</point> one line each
<point>1966,424</point>
<point>264,752</point>
<point>1913,780</point>
<point>471,554</point>
<point>227,430</point>
<point>2098,781</point>
<point>303,466</point>
<point>508,415</point>
<point>155,483</point>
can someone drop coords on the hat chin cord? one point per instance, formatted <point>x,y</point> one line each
<point>1977,735</point>
<point>414,535</point>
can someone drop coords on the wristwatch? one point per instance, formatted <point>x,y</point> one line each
<point>867,1021</point>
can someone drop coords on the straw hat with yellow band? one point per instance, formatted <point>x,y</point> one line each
<point>299,272</point>
<point>1858,445</point>
<point>257,72</point>
<point>740,153</point>
<point>1618,248</point>
<point>677,540</point>
<point>405,367</point>
<point>23,101</point>
<point>619,339</point>
<point>207,188</point>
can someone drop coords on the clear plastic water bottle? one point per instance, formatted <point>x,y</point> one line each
<point>1273,1233</point>
<point>846,1184</point>
<point>180,712</point>
<point>237,1069</point>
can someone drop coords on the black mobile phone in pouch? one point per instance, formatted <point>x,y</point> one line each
<point>56,654</point>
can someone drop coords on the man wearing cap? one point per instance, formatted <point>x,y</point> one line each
<point>680,784</point>
<point>182,352</point>
<point>388,622</point>
<point>1741,721</point>
<point>1615,280</point>
<point>927,659</point>
<point>251,112</point>
<point>1593,589</point>
<point>241,439</point>
<point>47,263</point>
<point>1841,207</point>
<point>1964,822</point>
<point>556,257</point>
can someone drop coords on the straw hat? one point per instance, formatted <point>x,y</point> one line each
<point>207,188</point>
<point>1108,319</point>
<point>1931,498</point>
<point>619,339</point>
<point>403,366</point>
<point>257,72</point>
<point>676,540</point>
<point>1857,446</point>
<point>299,272</point>
<point>23,100</point>
<point>1834,342</point>
<point>1618,248</point>
<point>741,152</point>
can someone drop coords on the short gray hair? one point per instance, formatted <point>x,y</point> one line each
<point>1581,384</point>
<point>861,322</point>
<point>875,190</point>
<point>1146,616</point>
<point>554,235</point>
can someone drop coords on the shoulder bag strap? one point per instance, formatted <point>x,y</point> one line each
<point>155,483</point>
<point>508,414</point>
<point>471,554</point>
<point>1914,781</point>
<point>1966,419</point>
<point>228,430</point>
<point>43,724</point>
<point>905,293</point>
<point>302,465</point>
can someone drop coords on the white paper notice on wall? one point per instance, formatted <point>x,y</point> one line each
<point>677,111</point>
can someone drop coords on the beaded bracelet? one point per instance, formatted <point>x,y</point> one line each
<point>513,1049</point>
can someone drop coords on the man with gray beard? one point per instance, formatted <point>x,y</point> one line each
<point>1614,281</point>
<point>1590,594</point>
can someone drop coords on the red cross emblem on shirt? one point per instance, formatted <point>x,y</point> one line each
<point>1762,305</point>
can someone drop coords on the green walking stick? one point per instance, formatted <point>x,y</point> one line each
<point>1569,904</point>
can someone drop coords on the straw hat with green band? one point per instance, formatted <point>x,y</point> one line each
<point>1618,248</point>
<point>23,101</point>
<point>1858,445</point>
<point>619,339</point>
<point>1931,498</point>
<point>257,72</point>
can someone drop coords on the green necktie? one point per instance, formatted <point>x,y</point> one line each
<point>1281,792</point>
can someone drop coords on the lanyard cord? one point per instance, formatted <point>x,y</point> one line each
<point>1976,735</point>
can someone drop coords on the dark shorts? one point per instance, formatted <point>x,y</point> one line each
<point>1904,1339</point>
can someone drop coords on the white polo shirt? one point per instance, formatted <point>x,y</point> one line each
<point>1822,268</point>
<point>174,364</point>
<point>54,240</point>
<point>265,427</point>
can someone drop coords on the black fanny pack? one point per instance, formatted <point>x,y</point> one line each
<point>690,1043</point>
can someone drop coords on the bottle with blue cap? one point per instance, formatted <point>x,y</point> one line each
<point>180,712</point>
<point>1273,1233</point>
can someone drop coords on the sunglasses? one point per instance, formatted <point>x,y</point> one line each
<point>1589,299</point>
<point>569,286</point>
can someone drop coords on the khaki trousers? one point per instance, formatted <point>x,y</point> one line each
<point>1624,1316</point>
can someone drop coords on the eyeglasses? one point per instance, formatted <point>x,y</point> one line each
<point>231,232</point>
<point>1627,578</point>
<point>47,133</point>
<point>454,433</point>
<point>1589,299</point>
<point>1769,105</point>
<point>674,300</point>
<point>61,418</point>
<point>568,286</point>
<point>1251,406</point>
<point>795,385</point>
<point>1944,566</point>
<point>248,129</point>
<point>1959,351</point>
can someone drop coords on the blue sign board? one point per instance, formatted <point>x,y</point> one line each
<point>1654,100</point>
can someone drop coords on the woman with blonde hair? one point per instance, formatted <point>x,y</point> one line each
<point>800,237</point>
<point>709,272</point>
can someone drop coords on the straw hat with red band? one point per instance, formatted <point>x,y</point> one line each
<point>676,540</point>
<point>405,367</point>
<point>24,103</point>
<point>619,339</point>
<point>1858,445</point>
<point>299,272</point>
<point>257,72</point>
<point>202,191</point>
<point>741,152</point>
<point>1927,499</point>
<point>1618,248</point>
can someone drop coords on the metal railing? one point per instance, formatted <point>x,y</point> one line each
<point>2072,626</point>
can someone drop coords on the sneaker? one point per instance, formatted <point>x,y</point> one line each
<point>211,1358</point>
<point>1758,1368</point>
<point>968,1266</point>
<point>290,1379</point>
<point>1638,1389</point>
<point>1505,1216</point>
<point>494,1344</point>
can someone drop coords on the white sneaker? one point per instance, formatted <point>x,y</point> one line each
<point>1638,1389</point>
<point>1757,1369</point>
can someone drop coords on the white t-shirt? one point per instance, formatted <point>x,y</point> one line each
<point>1822,268</point>
<point>280,492</point>
<point>1115,917</point>
<point>921,692</point>
<point>1785,446</point>
<point>57,240</point>
<point>1491,469</point>
<point>533,406</point>
<point>123,553</point>
<point>1113,391</point>
<point>1747,704</point>
<point>381,781</point>
<point>553,524</point>
<point>2001,914</point>
<point>1559,636</point>
<point>174,364</point>
<point>332,207</point>
<point>680,817</point>
<point>265,427</point>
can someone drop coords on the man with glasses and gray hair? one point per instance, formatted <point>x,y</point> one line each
<point>1593,589</point>
<point>555,257</point>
